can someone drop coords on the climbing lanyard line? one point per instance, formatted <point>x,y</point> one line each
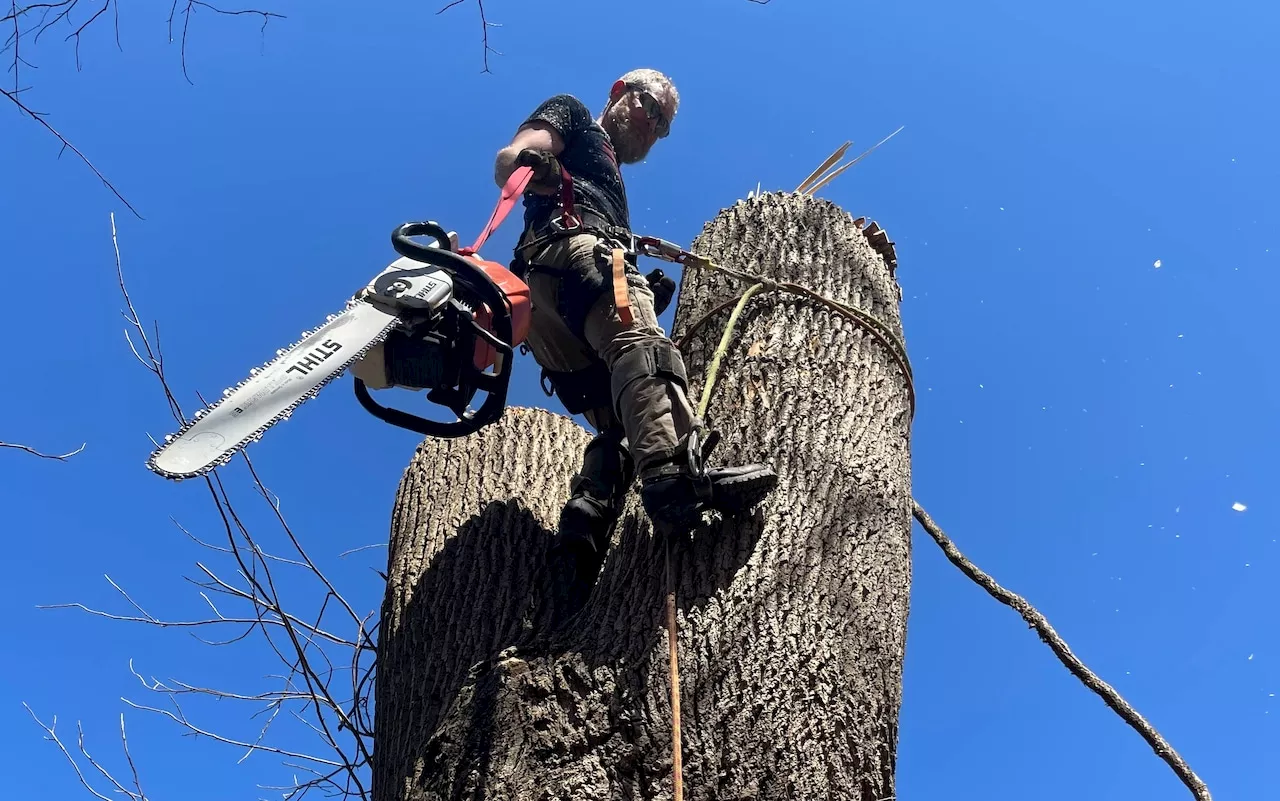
<point>672,638</point>
<point>876,328</point>
<point>1029,613</point>
<point>677,771</point>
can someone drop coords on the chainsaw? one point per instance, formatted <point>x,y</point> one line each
<point>436,319</point>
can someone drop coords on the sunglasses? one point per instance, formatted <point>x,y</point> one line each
<point>653,110</point>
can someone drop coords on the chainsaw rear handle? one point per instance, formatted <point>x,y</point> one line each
<point>467,273</point>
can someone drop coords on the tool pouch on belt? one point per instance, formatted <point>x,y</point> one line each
<point>664,289</point>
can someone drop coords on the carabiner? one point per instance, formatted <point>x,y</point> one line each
<point>657,248</point>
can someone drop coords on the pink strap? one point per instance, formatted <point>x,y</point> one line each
<point>511,192</point>
<point>566,199</point>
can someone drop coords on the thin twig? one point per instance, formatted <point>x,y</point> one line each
<point>485,25</point>
<point>181,719</point>
<point>66,145</point>
<point>17,34</point>
<point>106,774</point>
<point>133,768</point>
<point>190,8</point>
<point>182,624</point>
<point>76,33</point>
<point>67,7</point>
<point>34,452</point>
<point>347,553</point>
<point>1055,642</point>
<point>311,671</point>
<point>52,735</point>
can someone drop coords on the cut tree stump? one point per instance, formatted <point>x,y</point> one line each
<point>499,679</point>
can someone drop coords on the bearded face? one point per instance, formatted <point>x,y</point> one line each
<point>630,129</point>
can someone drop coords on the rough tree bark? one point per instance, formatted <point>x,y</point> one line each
<point>496,681</point>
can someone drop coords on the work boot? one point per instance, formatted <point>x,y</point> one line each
<point>599,492</point>
<point>676,491</point>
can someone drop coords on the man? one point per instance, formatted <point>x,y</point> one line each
<point>619,370</point>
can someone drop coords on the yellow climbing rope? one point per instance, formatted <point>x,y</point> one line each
<point>868,322</point>
<point>723,347</point>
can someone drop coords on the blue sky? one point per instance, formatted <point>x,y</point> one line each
<point>1087,419</point>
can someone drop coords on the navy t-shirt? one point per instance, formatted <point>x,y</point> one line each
<point>588,157</point>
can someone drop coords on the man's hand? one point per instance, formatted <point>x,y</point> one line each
<point>537,135</point>
<point>546,170</point>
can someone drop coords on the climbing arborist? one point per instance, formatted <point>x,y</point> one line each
<point>599,344</point>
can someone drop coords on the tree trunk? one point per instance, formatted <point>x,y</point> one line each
<point>498,679</point>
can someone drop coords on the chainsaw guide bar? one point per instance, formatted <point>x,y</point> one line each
<point>299,372</point>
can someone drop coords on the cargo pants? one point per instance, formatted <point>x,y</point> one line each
<point>654,413</point>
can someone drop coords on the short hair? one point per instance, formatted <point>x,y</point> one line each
<point>655,83</point>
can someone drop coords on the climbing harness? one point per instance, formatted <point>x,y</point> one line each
<point>673,662</point>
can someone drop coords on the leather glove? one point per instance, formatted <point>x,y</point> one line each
<point>664,289</point>
<point>546,170</point>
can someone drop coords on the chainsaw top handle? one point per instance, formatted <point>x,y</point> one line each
<point>462,269</point>
<point>468,274</point>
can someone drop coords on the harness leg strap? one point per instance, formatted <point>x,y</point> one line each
<point>654,358</point>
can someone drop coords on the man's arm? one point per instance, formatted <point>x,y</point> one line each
<point>536,135</point>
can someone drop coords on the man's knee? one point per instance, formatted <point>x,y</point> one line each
<point>652,357</point>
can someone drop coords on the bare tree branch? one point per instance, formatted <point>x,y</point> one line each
<point>44,16</point>
<point>133,768</point>
<point>66,145</point>
<point>59,457</point>
<point>324,687</point>
<point>485,25</point>
<point>76,33</point>
<point>220,619</point>
<point>13,42</point>
<point>1037,621</point>
<point>179,717</point>
<point>189,9</point>
<point>350,551</point>
<point>134,795</point>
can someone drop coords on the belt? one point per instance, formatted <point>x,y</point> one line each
<point>588,222</point>
<point>621,239</point>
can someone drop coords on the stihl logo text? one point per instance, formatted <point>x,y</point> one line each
<point>315,357</point>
